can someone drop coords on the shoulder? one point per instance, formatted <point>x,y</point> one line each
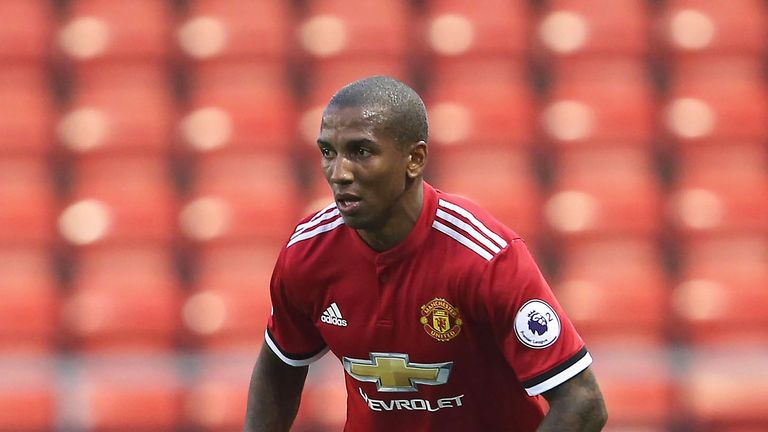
<point>470,227</point>
<point>312,235</point>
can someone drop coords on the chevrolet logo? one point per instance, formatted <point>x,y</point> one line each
<point>392,372</point>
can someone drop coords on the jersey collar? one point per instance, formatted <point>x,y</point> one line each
<point>414,239</point>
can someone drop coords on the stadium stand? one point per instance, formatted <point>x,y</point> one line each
<point>118,110</point>
<point>599,102</point>
<point>621,199</point>
<point>27,112</point>
<point>570,30</point>
<point>709,28</point>
<point>29,202</point>
<point>234,197</point>
<point>155,155</point>
<point>28,394</point>
<point>110,288</point>
<point>236,30</point>
<point>29,310</point>
<point>221,311</point>
<point>630,375</point>
<point>119,201</point>
<point>453,33</point>
<point>630,277</point>
<point>128,393</point>
<point>97,32</point>
<point>712,391</point>
<point>26,28</point>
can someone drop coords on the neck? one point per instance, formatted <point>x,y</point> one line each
<point>404,216</point>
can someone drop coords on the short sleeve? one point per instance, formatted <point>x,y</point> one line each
<point>290,333</point>
<point>535,336</point>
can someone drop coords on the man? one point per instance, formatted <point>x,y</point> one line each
<point>436,311</point>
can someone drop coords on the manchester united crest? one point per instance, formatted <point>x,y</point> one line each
<point>440,319</point>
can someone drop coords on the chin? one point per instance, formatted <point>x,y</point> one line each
<point>357,222</point>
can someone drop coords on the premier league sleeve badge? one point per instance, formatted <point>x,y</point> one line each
<point>537,325</point>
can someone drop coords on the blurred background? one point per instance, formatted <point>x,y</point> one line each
<point>156,154</point>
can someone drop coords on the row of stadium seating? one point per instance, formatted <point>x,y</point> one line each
<point>720,390</point>
<point>155,154</point>
<point>606,80</point>
<point>111,202</point>
<point>137,298</point>
<point>93,31</point>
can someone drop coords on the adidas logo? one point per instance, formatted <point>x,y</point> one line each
<point>332,316</point>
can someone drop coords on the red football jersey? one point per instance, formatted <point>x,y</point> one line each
<point>454,329</point>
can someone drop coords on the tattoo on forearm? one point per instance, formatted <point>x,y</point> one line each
<point>575,405</point>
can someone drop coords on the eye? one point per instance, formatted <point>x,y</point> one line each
<point>362,151</point>
<point>326,152</point>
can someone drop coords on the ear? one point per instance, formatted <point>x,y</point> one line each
<point>417,160</point>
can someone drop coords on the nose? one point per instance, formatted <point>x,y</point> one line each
<point>341,171</point>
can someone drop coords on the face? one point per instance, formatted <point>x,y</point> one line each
<point>367,171</point>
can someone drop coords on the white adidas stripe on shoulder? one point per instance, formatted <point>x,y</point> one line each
<point>467,228</point>
<point>471,233</point>
<point>307,234</point>
<point>319,217</point>
<point>461,239</point>
<point>495,237</point>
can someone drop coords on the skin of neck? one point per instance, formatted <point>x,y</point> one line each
<point>405,212</point>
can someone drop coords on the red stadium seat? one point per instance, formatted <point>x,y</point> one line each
<point>709,308</point>
<point>243,106</point>
<point>497,111</point>
<point>722,282</point>
<point>514,198</point>
<point>119,111</point>
<point>229,304</point>
<point>622,198</point>
<point>597,279</point>
<point>721,189</point>
<point>454,28</point>
<point>333,29</point>
<point>130,393</point>
<point>241,197</point>
<point>25,31</point>
<point>716,109</point>
<point>236,266</point>
<point>572,29</point>
<point>124,201</point>
<point>27,394</point>
<point>26,114</point>
<point>216,399</point>
<point>29,310</point>
<point>714,393</point>
<point>28,209</point>
<point>598,103</point>
<point>690,28</point>
<point>99,31</point>
<point>123,299</point>
<point>744,70</point>
<point>638,385</point>
<point>236,30</point>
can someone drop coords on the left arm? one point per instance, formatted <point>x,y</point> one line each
<point>576,405</point>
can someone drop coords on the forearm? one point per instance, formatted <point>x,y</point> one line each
<point>274,394</point>
<point>573,417</point>
<point>575,406</point>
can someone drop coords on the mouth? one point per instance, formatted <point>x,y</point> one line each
<point>347,203</point>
